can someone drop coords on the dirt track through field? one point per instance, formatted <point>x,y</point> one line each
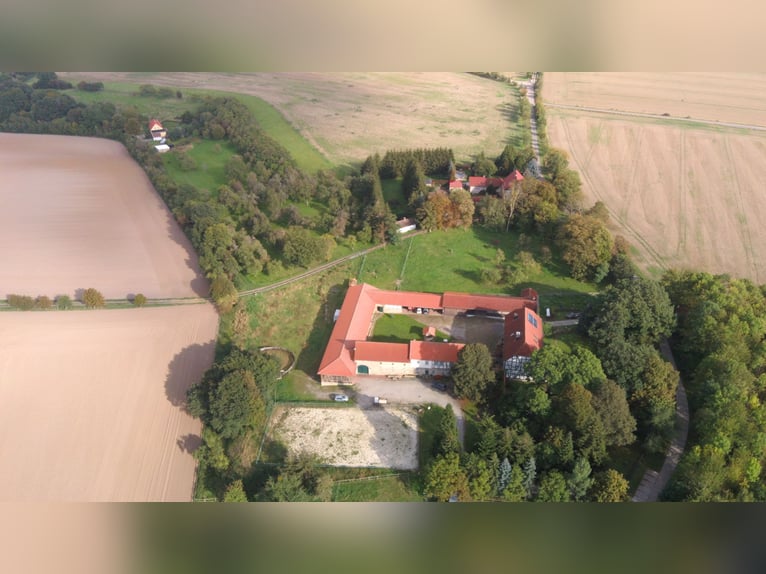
<point>90,402</point>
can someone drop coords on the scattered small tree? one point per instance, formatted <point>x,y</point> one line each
<point>63,302</point>
<point>23,302</point>
<point>235,492</point>
<point>139,300</point>
<point>43,302</point>
<point>93,299</point>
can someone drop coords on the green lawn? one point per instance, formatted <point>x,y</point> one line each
<point>166,110</point>
<point>210,157</point>
<point>452,261</point>
<point>400,329</point>
<point>386,489</point>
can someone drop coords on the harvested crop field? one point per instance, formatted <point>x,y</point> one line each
<point>716,96</point>
<point>78,213</point>
<point>348,116</point>
<point>90,402</point>
<point>685,197</point>
<point>350,436</point>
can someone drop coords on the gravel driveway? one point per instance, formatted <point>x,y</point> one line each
<point>407,391</point>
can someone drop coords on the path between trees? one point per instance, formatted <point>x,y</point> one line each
<point>530,86</point>
<point>318,269</point>
<point>653,482</point>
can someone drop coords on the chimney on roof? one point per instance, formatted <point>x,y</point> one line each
<point>352,282</point>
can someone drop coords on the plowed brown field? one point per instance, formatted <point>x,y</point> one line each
<point>91,401</point>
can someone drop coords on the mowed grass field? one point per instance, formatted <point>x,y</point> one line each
<point>348,116</point>
<point>716,96</point>
<point>684,196</point>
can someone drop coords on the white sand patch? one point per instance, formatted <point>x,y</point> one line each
<point>384,438</point>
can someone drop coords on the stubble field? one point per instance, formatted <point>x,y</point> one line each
<point>348,116</point>
<point>717,96</point>
<point>685,196</point>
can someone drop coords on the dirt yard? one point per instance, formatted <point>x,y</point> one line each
<point>717,96</point>
<point>684,196</point>
<point>89,402</point>
<point>379,437</point>
<point>78,213</point>
<point>348,116</point>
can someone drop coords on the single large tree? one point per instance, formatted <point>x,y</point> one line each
<point>473,371</point>
<point>612,407</point>
<point>586,246</point>
<point>235,403</point>
<point>609,486</point>
<point>93,298</point>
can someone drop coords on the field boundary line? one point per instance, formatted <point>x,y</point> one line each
<point>316,270</point>
<point>614,112</point>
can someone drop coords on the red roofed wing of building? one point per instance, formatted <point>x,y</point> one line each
<point>382,352</point>
<point>430,351</point>
<point>523,333</point>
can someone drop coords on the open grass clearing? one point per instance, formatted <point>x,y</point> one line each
<point>210,159</point>
<point>684,197</point>
<point>402,488</point>
<point>347,116</point>
<point>168,109</point>
<point>400,329</point>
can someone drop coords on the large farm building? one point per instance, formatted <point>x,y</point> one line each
<point>349,353</point>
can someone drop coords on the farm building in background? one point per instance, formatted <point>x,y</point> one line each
<point>158,132</point>
<point>349,353</point>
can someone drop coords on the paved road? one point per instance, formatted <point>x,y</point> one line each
<point>656,116</point>
<point>318,269</point>
<point>653,482</point>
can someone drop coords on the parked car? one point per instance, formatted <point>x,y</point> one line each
<point>340,398</point>
<point>439,386</point>
<point>379,401</point>
<point>573,315</point>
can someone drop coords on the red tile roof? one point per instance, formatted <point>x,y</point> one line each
<point>456,184</point>
<point>512,177</point>
<point>500,303</point>
<point>475,181</point>
<point>431,351</point>
<point>348,340</point>
<point>382,352</point>
<point>429,331</point>
<point>529,325</point>
<point>155,125</point>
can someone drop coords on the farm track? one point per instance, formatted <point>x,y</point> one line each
<point>657,117</point>
<point>650,251</point>
<point>316,270</point>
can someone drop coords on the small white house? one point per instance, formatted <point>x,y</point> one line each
<point>162,148</point>
<point>406,225</point>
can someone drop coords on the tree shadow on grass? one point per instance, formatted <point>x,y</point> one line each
<point>310,356</point>
<point>186,369</point>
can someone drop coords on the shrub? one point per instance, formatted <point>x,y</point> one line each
<point>23,302</point>
<point>139,300</point>
<point>93,298</point>
<point>90,86</point>
<point>63,302</point>
<point>43,302</point>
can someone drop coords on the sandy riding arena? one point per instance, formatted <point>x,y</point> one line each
<point>384,438</point>
<point>90,402</point>
<point>78,213</point>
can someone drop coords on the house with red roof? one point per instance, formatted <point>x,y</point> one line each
<point>455,184</point>
<point>158,132</point>
<point>349,353</point>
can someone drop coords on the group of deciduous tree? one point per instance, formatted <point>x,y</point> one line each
<point>721,349</point>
